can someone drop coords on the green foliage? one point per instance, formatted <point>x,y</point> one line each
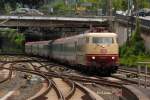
<point>13,38</point>
<point>141,4</point>
<point>131,60</point>
<point>7,5</point>
<point>59,8</point>
<point>117,4</point>
<point>19,39</point>
<point>8,8</point>
<point>124,5</point>
<point>135,51</point>
<point>137,42</point>
<point>146,4</point>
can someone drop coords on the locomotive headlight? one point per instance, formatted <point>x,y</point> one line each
<point>113,58</point>
<point>93,57</point>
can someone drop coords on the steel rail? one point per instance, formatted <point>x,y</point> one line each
<point>59,93</point>
<point>131,72</point>
<point>64,76</point>
<point>91,94</point>
<point>72,90</point>
<point>104,82</point>
<point>10,74</point>
<point>21,61</point>
<point>36,73</point>
<point>84,79</point>
<point>79,78</point>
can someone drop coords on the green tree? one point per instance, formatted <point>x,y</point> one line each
<point>117,4</point>
<point>124,5</point>
<point>13,37</point>
<point>2,6</point>
<point>136,46</point>
<point>8,8</point>
<point>137,40</point>
<point>19,40</point>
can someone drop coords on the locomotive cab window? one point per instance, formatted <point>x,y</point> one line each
<point>103,40</point>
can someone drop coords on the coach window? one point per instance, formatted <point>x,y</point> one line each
<point>87,39</point>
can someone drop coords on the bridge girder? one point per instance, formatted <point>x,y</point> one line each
<point>15,21</point>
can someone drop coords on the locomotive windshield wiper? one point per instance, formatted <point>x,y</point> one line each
<point>101,45</point>
<point>97,44</point>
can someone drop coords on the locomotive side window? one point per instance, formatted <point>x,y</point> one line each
<point>81,43</point>
<point>103,40</point>
<point>87,39</point>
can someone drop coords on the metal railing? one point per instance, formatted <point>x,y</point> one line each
<point>140,73</point>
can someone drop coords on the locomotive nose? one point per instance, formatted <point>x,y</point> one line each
<point>102,59</point>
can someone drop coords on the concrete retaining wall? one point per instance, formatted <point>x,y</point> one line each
<point>121,30</point>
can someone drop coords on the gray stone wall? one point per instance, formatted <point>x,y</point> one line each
<point>122,33</point>
<point>146,41</point>
<point>121,30</point>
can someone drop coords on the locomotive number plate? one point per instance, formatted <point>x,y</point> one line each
<point>104,51</point>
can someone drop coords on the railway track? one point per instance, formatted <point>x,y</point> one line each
<point>48,84</point>
<point>132,76</point>
<point>59,94</point>
<point>76,89</point>
<point>98,80</point>
<point>133,71</point>
<point>9,74</point>
<point>77,85</point>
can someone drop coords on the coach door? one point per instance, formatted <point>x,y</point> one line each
<point>81,51</point>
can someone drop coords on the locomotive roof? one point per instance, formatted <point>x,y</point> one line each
<point>101,34</point>
<point>106,34</point>
<point>93,34</point>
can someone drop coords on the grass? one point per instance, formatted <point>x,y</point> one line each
<point>134,50</point>
<point>131,61</point>
<point>11,50</point>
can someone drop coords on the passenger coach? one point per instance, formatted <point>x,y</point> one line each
<point>90,51</point>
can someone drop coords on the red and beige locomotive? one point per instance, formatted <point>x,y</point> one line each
<point>92,51</point>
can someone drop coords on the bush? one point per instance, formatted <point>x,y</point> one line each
<point>12,40</point>
<point>135,50</point>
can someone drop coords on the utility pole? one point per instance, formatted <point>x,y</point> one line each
<point>107,7</point>
<point>66,2</point>
<point>130,19</point>
<point>130,7</point>
<point>76,4</point>
<point>110,14</point>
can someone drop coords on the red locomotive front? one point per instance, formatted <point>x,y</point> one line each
<point>102,52</point>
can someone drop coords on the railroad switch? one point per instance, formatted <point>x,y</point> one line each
<point>27,76</point>
<point>132,75</point>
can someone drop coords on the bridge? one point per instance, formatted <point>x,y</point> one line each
<point>131,20</point>
<point>43,21</point>
<point>71,22</point>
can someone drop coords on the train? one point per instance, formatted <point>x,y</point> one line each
<point>91,51</point>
